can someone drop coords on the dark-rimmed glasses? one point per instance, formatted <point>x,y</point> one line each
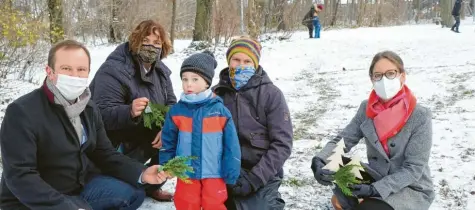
<point>390,74</point>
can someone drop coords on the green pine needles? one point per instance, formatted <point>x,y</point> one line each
<point>344,178</point>
<point>154,114</point>
<point>178,167</point>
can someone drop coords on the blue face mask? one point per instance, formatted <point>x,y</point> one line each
<point>241,75</point>
<point>196,97</point>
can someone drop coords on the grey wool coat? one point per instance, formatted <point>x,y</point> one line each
<point>403,180</point>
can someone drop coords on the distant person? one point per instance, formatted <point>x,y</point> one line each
<point>316,21</point>
<point>456,14</point>
<point>308,21</point>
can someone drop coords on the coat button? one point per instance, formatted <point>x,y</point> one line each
<point>393,144</point>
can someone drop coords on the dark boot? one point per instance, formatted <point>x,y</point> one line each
<point>160,195</point>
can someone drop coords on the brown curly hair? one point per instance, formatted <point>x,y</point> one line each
<point>144,29</point>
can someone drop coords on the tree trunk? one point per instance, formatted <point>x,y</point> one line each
<point>326,12</point>
<point>446,13</point>
<point>335,12</point>
<point>280,15</point>
<point>361,12</point>
<point>56,30</point>
<point>203,20</point>
<point>115,34</point>
<point>416,4</point>
<point>253,19</point>
<point>173,25</point>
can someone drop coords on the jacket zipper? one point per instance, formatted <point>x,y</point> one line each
<point>237,112</point>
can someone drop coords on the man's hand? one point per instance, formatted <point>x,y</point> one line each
<point>138,105</point>
<point>152,176</point>
<point>246,184</point>
<point>157,142</point>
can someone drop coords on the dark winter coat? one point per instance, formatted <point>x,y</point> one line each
<point>308,18</point>
<point>119,81</point>
<point>263,122</point>
<point>457,8</point>
<point>43,160</point>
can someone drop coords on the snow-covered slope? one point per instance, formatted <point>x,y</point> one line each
<point>325,80</point>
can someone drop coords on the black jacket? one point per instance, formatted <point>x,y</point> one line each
<point>263,123</point>
<point>457,7</point>
<point>43,161</point>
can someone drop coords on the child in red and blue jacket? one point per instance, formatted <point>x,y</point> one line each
<point>200,125</point>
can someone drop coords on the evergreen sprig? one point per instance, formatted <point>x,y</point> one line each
<point>344,178</point>
<point>178,167</point>
<point>154,114</point>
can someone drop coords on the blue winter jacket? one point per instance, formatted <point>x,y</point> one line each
<point>204,130</point>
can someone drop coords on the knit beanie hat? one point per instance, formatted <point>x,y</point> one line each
<point>202,64</point>
<point>248,46</point>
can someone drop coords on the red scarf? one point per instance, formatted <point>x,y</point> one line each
<point>391,116</point>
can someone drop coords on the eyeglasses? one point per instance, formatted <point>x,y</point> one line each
<point>390,74</point>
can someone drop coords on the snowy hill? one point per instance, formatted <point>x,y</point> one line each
<point>323,98</point>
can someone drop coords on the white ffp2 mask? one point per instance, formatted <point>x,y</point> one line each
<point>71,87</point>
<point>387,88</point>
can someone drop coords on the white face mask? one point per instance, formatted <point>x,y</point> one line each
<point>387,88</point>
<point>71,87</point>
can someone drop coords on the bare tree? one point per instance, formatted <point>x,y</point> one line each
<point>55,9</point>
<point>115,34</point>
<point>202,20</point>
<point>173,24</point>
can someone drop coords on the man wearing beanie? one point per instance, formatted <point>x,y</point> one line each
<point>262,119</point>
<point>200,125</point>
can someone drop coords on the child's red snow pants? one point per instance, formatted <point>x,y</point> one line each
<point>207,193</point>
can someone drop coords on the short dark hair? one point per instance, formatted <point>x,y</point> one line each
<point>66,44</point>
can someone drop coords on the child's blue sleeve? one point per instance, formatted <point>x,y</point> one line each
<point>231,164</point>
<point>169,140</point>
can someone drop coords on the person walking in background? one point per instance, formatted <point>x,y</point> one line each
<point>132,76</point>
<point>316,21</point>
<point>456,14</point>
<point>308,20</point>
<point>199,125</point>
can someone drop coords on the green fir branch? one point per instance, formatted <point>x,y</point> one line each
<point>344,178</point>
<point>178,167</point>
<point>154,114</point>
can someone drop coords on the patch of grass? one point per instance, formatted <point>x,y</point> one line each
<point>469,92</point>
<point>293,182</point>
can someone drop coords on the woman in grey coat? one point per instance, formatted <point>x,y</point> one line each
<point>397,132</point>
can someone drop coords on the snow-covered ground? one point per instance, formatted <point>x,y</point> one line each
<point>325,80</point>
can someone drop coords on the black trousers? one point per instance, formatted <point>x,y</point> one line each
<point>457,23</point>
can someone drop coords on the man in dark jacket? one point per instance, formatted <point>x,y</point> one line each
<point>53,138</point>
<point>264,127</point>
<point>132,76</point>
<point>308,20</point>
<point>456,14</point>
